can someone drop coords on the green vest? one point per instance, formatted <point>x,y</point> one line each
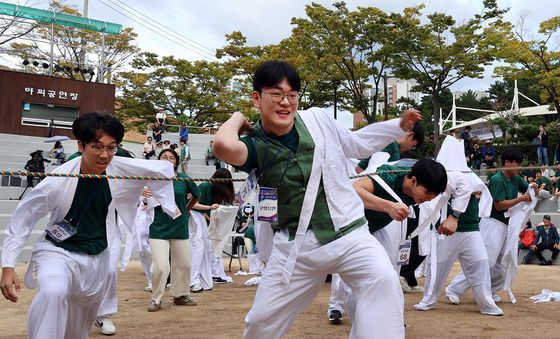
<point>288,171</point>
<point>378,220</point>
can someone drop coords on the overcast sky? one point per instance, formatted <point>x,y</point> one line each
<point>265,22</point>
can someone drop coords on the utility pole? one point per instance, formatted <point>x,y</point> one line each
<point>386,99</point>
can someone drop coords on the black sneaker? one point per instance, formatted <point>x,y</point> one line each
<point>335,317</point>
<point>218,280</point>
<point>184,300</point>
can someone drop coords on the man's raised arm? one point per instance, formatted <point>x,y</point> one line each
<point>226,145</point>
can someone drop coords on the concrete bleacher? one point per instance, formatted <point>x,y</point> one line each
<point>15,152</point>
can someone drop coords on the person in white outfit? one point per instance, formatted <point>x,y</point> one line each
<point>505,187</point>
<point>387,197</point>
<point>300,163</point>
<point>466,245</point>
<point>70,263</point>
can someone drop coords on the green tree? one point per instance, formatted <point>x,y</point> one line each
<point>199,89</point>
<point>77,50</point>
<point>440,52</point>
<point>347,48</point>
<point>530,57</point>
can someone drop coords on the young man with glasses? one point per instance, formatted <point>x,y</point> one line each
<point>300,160</point>
<point>70,264</point>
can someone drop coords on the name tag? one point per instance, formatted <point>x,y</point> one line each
<point>61,230</point>
<point>404,252</point>
<point>268,205</point>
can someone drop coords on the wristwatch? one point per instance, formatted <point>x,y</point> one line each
<point>455,214</point>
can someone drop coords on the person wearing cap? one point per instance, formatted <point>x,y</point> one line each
<point>166,144</point>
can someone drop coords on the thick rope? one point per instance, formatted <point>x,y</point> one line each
<point>144,178</point>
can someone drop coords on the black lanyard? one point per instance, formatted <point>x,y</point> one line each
<point>73,219</point>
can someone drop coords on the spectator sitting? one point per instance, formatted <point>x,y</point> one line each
<point>543,184</point>
<point>556,177</point>
<point>159,147</point>
<point>157,131</point>
<point>526,239</point>
<point>547,239</point>
<point>166,144</point>
<point>547,172</point>
<point>210,153</point>
<point>57,152</point>
<point>160,118</point>
<point>489,154</point>
<point>530,173</point>
<point>149,148</point>
<point>183,133</point>
<point>475,156</point>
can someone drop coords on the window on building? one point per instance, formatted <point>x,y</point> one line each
<point>35,114</point>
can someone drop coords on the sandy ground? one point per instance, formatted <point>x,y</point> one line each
<point>220,312</point>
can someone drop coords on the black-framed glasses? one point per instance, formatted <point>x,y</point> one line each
<point>279,97</point>
<point>98,149</point>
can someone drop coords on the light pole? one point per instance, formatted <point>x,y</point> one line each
<point>385,100</point>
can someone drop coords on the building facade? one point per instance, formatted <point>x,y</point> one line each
<point>39,105</point>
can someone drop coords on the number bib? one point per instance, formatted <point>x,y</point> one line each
<point>404,252</point>
<point>268,204</point>
<point>61,230</point>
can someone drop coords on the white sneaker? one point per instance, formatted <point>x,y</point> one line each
<point>404,285</point>
<point>422,307</point>
<point>497,312</point>
<point>453,298</point>
<point>148,288</point>
<point>416,289</point>
<point>497,298</point>
<point>196,288</point>
<point>106,325</point>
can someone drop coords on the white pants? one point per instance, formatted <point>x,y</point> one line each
<point>361,262</point>
<point>339,294</point>
<point>109,304</point>
<point>70,288</point>
<point>201,272</point>
<point>469,248</point>
<point>389,237</point>
<point>493,234</point>
<point>218,270</point>
<point>180,266</point>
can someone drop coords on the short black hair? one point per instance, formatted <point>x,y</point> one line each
<point>546,217</point>
<point>271,73</point>
<point>538,171</point>
<point>468,127</point>
<point>88,127</point>
<point>169,150</point>
<point>430,174</point>
<point>418,134</point>
<point>512,155</point>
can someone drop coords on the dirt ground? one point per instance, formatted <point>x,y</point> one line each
<point>220,312</point>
